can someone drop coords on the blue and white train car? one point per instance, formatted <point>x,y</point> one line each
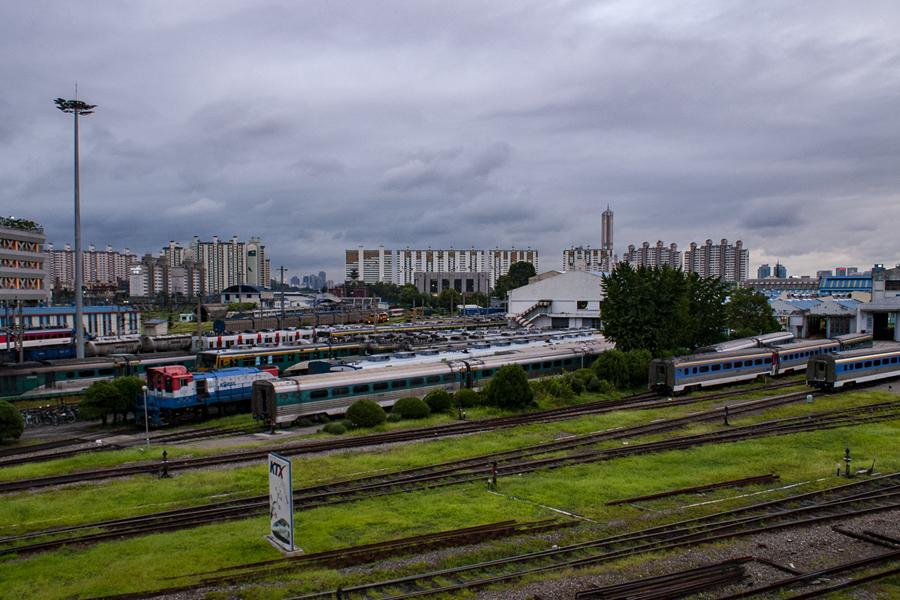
<point>834,371</point>
<point>679,373</point>
<point>175,394</point>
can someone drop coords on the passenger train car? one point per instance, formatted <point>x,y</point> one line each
<point>175,394</point>
<point>285,400</point>
<point>38,344</point>
<point>834,371</point>
<point>685,373</point>
<point>282,357</point>
<point>21,381</point>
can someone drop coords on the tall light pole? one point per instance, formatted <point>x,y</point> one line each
<point>77,107</point>
<point>146,418</point>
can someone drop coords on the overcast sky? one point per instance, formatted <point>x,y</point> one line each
<point>322,126</point>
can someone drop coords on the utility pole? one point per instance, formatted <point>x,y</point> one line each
<point>77,107</point>
<point>282,295</point>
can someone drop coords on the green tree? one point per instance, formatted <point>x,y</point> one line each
<point>365,413</point>
<point>410,296</point>
<point>11,422</point>
<point>502,287</point>
<point>449,299</point>
<point>478,298</point>
<point>661,309</point>
<point>99,400</point>
<point>519,273</point>
<point>509,388</point>
<point>130,391</point>
<point>749,313</point>
<point>466,398</point>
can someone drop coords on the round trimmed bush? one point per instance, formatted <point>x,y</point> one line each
<point>466,398</point>
<point>438,400</point>
<point>594,384</point>
<point>365,413</point>
<point>411,408</point>
<point>334,429</point>
<point>509,388</point>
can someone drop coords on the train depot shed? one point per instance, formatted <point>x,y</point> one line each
<point>566,300</point>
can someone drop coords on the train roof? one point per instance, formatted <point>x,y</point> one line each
<point>718,356</point>
<point>438,367</point>
<point>862,353</point>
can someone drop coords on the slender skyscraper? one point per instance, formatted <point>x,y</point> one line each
<point>606,234</point>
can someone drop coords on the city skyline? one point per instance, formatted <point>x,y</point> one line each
<point>510,124</point>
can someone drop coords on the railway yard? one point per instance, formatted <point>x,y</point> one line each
<point>742,492</point>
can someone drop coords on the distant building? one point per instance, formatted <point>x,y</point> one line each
<point>98,320</point>
<point>100,266</point>
<point>23,263</point>
<point>763,271</point>
<point>606,232</point>
<point>588,259</point>
<point>780,270</point>
<point>227,263</point>
<point>465,283</point>
<point>401,266</point>
<point>295,281</point>
<point>653,256</point>
<point>722,260</point>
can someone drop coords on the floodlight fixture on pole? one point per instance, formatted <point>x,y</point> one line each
<point>77,107</point>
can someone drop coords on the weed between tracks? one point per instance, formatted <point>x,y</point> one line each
<point>139,564</point>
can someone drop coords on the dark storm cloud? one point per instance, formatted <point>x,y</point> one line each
<point>320,127</point>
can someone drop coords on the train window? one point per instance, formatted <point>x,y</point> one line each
<point>70,374</point>
<point>433,379</point>
<point>704,369</point>
<point>107,371</point>
<point>340,391</point>
<point>868,364</point>
<point>361,389</point>
<point>737,364</point>
<point>400,383</point>
<point>86,373</point>
<point>726,366</point>
<point>315,394</point>
<point>567,362</point>
<point>857,365</point>
<point>487,372</point>
<point>546,364</point>
<point>717,367</point>
<point>877,363</point>
<point>695,370</point>
<point>449,378</point>
<point>893,360</point>
<point>381,385</point>
<point>557,363</point>
<point>416,381</point>
<point>526,366</point>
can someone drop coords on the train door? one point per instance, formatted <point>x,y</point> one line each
<point>821,370</point>
<point>202,388</point>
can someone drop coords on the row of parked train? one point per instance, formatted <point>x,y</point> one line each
<point>725,365</point>
<point>175,393</point>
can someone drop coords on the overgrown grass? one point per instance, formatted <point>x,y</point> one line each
<point>137,564</point>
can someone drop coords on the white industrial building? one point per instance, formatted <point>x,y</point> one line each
<point>570,299</point>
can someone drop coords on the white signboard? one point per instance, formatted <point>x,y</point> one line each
<point>281,501</point>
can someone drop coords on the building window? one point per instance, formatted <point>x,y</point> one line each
<point>582,304</point>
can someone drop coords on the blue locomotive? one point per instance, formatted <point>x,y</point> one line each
<point>175,394</point>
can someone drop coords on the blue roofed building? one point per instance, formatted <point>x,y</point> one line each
<point>845,285</point>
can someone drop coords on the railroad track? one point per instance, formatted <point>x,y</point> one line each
<point>871,496</point>
<point>839,503</point>
<point>476,469</point>
<point>644,401</point>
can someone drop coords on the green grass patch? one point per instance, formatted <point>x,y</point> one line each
<point>132,565</point>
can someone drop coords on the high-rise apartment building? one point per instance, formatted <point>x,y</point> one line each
<point>727,262</point>
<point>780,271</point>
<point>763,271</point>
<point>653,256</point>
<point>577,258</point>
<point>104,267</point>
<point>372,266</point>
<point>227,263</point>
